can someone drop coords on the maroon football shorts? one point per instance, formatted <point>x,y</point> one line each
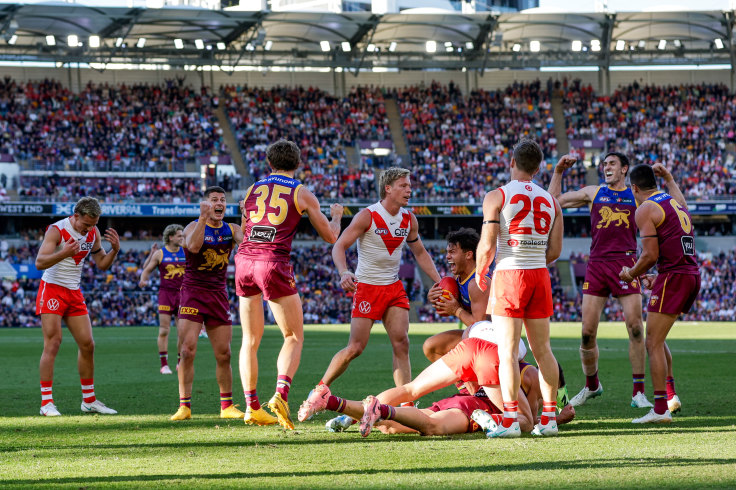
<point>601,278</point>
<point>466,404</point>
<point>274,279</point>
<point>168,301</point>
<point>210,307</point>
<point>674,293</point>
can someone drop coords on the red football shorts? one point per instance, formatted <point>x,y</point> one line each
<point>474,360</point>
<point>58,300</point>
<point>521,293</point>
<point>372,301</point>
<point>274,279</point>
<point>674,293</point>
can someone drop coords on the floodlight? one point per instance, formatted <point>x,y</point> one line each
<point>221,46</point>
<point>50,40</point>
<point>392,46</point>
<point>577,45</point>
<point>141,42</point>
<point>72,40</point>
<point>178,43</point>
<point>516,48</point>
<point>346,46</point>
<point>535,46</point>
<point>431,46</point>
<point>94,41</point>
<point>325,45</point>
<point>595,45</point>
<point>268,46</point>
<point>719,43</point>
<point>199,44</point>
<point>620,45</point>
<point>662,44</point>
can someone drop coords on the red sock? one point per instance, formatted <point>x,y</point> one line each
<point>185,401</point>
<point>510,412</point>
<point>407,404</point>
<point>46,393</point>
<point>322,383</point>
<point>497,417</point>
<point>670,387</point>
<point>251,399</point>
<point>283,383</point>
<point>549,412</point>
<point>164,357</point>
<point>592,382</point>
<point>226,400</point>
<point>335,404</point>
<point>88,390</point>
<point>638,384</point>
<point>660,402</point>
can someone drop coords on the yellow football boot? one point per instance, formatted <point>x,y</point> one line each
<point>259,417</point>
<point>279,407</point>
<point>231,412</point>
<point>184,413</point>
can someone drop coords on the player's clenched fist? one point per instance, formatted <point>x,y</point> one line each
<point>336,211</point>
<point>647,280</point>
<point>564,163</point>
<point>206,209</point>
<point>112,236</point>
<point>661,171</point>
<point>347,281</point>
<point>70,248</point>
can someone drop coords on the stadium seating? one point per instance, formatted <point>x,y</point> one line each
<point>66,189</point>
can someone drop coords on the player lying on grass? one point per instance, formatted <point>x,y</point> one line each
<point>473,361</point>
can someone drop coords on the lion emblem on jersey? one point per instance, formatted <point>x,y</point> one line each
<point>173,271</point>
<point>214,260</point>
<point>608,216</point>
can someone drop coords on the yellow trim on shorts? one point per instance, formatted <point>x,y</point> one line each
<point>296,198</point>
<point>664,287</point>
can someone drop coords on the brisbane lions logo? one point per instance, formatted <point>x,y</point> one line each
<point>608,216</point>
<point>173,271</point>
<point>214,260</point>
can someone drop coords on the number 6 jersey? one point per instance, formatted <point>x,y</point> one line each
<point>273,213</point>
<point>675,237</point>
<point>526,219</point>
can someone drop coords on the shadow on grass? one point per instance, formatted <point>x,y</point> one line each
<point>584,464</point>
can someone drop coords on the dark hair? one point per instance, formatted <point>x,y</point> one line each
<point>643,177</point>
<point>283,155</point>
<point>211,189</point>
<point>623,159</point>
<point>528,155</point>
<point>465,238</point>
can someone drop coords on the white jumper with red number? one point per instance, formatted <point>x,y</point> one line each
<point>68,272</point>
<point>380,247</point>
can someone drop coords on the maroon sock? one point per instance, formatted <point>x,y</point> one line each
<point>387,411</point>
<point>251,399</point>
<point>164,357</point>
<point>592,382</point>
<point>638,384</point>
<point>670,387</point>
<point>283,383</point>
<point>660,402</point>
<point>226,399</point>
<point>335,404</point>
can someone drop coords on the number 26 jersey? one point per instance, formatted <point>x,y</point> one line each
<point>526,219</point>
<point>273,213</point>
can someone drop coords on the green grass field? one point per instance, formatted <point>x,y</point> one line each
<point>142,448</point>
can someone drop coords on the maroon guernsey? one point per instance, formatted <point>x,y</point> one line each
<point>171,268</point>
<point>612,224</point>
<point>207,269</point>
<point>273,213</point>
<point>675,237</point>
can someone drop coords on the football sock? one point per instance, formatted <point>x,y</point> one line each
<point>407,404</point>
<point>251,399</point>
<point>589,360</point>
<point>322,383</point>
<point>185,401</point>
<point>46,393</point>
<point>638,384</point>
<point>283,383</point>
<point>88,390</point>
<point>226,400</point>
<point>660,402</point>
<point>510,412</point>
<point>497,417</point>
<point>670,387</point>
<point>549,410</point>
<point>164,358</point>
<point>335,404</point>
<point>592,381</point>
<point>387,411</point>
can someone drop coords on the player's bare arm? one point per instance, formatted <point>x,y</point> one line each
<point>329,231</point>
<point>151,254</point>
<point>194,232</point>
<point>47,253</point>
<point>486,252</point>
<point>237,233</point>
<point>672,188</point>
<point>359,225</point>
<point>104,259</point>
<point>647,217</point>
<point>554,242</point>
<point>151,263</point>
<point>452,307</point>
<point>424,260</point>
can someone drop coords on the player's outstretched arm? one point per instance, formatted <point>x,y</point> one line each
<point>329,231</point>
<point>151,263</point>
<point>554,242</point>
<point>486,250</point>
<point>647,217</point>
<point>672,188</point>
<point>237,233</point>
<point>360,224</point>
<point>103,259</point>
<point>151,254</point>
<point>424,260</point>
<point>47,253</point>
<point>555,183</point>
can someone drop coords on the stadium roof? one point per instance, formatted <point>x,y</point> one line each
<point>188,36</point>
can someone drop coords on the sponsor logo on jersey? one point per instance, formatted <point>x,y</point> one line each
<point>401,232</point>
<point>688,245</point>
<point>188,310</point>
<point>262,234</point>
<point>52,304</point>
<point>654,300</point>
<point>608,216</point>
<point>586,285</point>
<point>528,187</point>
<point>214,260</point>
<point>209,238</point>
<point>382,231</point>
<point>364,307</point>
<point>513,243</point>
<point>86,246</point>
<point>164,308</point>
<point>604,199</point>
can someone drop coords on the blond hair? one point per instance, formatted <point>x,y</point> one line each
<point>170,231</point>
<point>88,206</point>
<point>389,176</point>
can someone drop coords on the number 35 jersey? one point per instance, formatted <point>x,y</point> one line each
<point>526,219</point>
<point>272,211</point>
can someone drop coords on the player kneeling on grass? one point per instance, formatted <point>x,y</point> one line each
<point>473,361</point>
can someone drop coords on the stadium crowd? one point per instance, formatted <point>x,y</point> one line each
<point>68,189</point>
